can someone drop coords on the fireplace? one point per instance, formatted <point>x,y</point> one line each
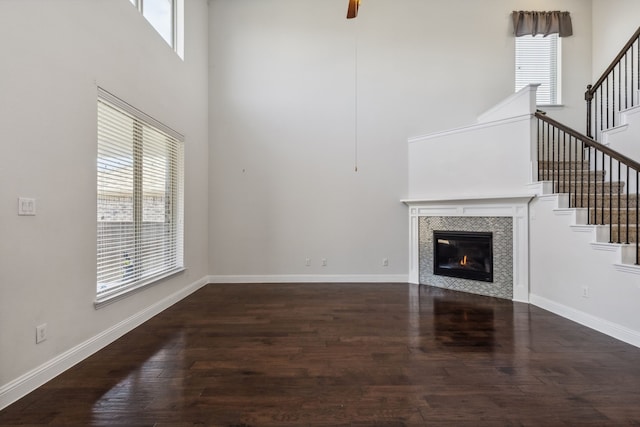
<point>506,217</point>
<point>463,254</point>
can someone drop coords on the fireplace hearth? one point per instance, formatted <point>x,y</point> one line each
<point>463,254</point>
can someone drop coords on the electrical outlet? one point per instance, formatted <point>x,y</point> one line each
<point>41,333</point>
<point>385,262</point>
<point>324,262</point>
<point>585,292</point>
<point>26,206</point>
<point>307,262</point>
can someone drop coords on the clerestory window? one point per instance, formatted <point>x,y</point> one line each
<point>166,17</point>
<point>139,199</point>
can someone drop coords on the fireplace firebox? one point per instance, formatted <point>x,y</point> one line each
<point>463,254</point>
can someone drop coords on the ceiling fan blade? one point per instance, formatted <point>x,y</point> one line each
<point>352,11</point>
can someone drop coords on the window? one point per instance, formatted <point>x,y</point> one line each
<point>140,199</point>
<point>537,61</point>
<point>165,17</point>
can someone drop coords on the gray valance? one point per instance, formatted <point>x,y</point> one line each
<point>545,23</point>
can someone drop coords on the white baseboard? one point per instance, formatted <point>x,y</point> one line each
<point>614,330</point>
<point>311,278</point>
<point>35,378</point>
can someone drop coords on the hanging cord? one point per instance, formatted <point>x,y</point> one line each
<point>355,97</point>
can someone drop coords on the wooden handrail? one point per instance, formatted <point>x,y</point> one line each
<point>590,142</point>
<point>591,89</point>
<point>614,90</point>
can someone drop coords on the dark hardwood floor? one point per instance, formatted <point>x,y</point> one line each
<point>346,355</point>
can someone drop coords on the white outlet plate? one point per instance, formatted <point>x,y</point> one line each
<point>324,262</point>
<point>41,333</point>
<point>26,206</point>
<point>385,262</point>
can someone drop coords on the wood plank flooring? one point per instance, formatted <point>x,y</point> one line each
<point>346,355</point>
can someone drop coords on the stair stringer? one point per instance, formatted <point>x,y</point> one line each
<point>625,255</point>
<point>575,276</point>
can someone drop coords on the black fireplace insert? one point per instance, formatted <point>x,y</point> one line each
<point>463,254</point>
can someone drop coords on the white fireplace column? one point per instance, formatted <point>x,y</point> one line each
<point>516,207</point>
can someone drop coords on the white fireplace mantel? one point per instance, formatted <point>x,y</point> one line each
<point>515,206</point>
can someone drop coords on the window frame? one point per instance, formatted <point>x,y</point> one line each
<point>171,256</point>
<point>177,24</point>
<point>554,75</point>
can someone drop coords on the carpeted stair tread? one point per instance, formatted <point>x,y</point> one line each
<point>623,229</point>
<point>616,200</point>
<point>573,175</point>
<point>572,165</point>
<point>613,215</point>
<point>599,186</point>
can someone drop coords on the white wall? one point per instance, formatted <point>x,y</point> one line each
<point>614,22</point>
<point>55,53</point>
<point>282,84</point>
<point>283,181</point>
<point>492,157</point>
<point>564,263</point>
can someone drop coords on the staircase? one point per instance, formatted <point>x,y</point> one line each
<point>599,184</point>
<point>604,202</point>
<point>584,223</point>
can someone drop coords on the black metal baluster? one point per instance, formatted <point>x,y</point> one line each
<point>600,91</point>
<point>566,181</point>
<point>603,202</point>
<point>610,198</point>
<point>626,82</point>
<point>588,96</point>
<point>610,203</point>
<point>573,169</point>
<point>632,78</point>
<point>588,181</point>
<point>598,119</point>
<point>589,185</point>
<point>607,104</point>
<point>616,89</point>
<point>553,160</point>
<point>638,65</point>
<point>549,164</point>
<point>544,159</point>
<point>627,209</point>
<point>560,165</point>
<point>576,172</point>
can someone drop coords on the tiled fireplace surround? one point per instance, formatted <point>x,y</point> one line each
<point>505,217</point>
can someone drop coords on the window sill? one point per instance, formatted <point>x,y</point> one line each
<point>118,294</point>
<point>550,105</point>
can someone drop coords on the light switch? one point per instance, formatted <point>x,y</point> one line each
<point>26,206</point>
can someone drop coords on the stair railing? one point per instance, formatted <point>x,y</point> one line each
<point>578,165</point>
<point>616,90</point>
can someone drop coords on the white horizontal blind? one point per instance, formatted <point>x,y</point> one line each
<point>537,62</point>
<point>140,198</point>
